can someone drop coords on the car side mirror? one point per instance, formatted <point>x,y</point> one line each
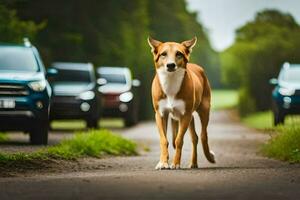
<point>101,81</point>
<point>51,72</point>
<point>273,81</point>
<point>136,83</point>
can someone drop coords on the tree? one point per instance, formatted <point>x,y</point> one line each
<point>13,30</point>
<point>260,49</point>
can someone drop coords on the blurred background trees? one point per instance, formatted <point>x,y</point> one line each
<point>109,33</point>
<point>260,49</point>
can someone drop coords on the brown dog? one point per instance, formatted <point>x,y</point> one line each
<point>179,88</point>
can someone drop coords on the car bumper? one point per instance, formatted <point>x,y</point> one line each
<point>28,111</point>
<point>289,104</point>
<point>118,110</point>
<point>72,108</point>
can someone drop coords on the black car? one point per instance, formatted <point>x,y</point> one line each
<point>119,96</point>
<point>286,94</point>
<point>75,93</point>
<point>24,92</point>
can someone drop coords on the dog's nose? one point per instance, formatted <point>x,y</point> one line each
<point>171,66</point>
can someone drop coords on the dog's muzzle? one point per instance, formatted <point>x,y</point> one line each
<point>171,67</point>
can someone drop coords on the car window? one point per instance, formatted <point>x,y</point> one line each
<point>114,78</point>
<point>17,59</point>
<point>292,75</point>
<point>72,76</point>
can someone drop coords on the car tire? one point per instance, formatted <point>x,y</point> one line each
<point>92,123</point>
<point>132,118</point>
<point>39,134</point>
<point>278,118</point>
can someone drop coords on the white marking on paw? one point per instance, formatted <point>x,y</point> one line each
<point>213,156</point>
<point>162,165</point>
<point>173,166</point>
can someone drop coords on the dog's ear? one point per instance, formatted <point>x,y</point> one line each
<point>153,44</point>
<point>189,44</point>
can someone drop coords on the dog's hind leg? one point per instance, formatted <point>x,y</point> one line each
<point>175,125</point>
<point>204,117</point>
<point>194,138</point>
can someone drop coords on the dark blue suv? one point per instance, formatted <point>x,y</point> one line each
<point>24,92</point>
<point>286,94</point>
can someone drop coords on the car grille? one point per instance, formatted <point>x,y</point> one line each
<point>13,90</point>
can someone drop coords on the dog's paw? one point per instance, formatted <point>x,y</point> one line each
<point>162,165</point>
<point>175,166</point>
<point>193,166</point>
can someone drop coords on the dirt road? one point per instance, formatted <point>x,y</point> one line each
<point>240,173</point>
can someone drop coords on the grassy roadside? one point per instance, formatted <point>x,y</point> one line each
<point>224,99</point>
<point>284,143</point>
<point>94,143</point>
<point>3,137</point>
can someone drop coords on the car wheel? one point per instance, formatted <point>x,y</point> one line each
<point>92,123</point>
<point>39,134</point>
<point>132,118</point>
<point>278,115</point>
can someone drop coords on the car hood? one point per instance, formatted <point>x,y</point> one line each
<point>70,89</point>
<point>293,85</point>
<point>21,76</point>
<point>114,88</point>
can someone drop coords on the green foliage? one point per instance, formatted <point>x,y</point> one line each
<point>3,137</point>
<point>246,103</point>
<point>285,139</point>
<point>12,29</point>
<point>224,99</point>
<point>285,145</point>
<point>264,121</point>
<point>94,143</point>
<point>261,47</point>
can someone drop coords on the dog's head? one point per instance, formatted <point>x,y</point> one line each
<point>171,56</point>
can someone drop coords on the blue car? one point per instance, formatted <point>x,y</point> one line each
<point>24,92</point>
<point>286,94</point>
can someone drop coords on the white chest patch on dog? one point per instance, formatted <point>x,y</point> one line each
<point>171,83</point>
<point>175,107</point>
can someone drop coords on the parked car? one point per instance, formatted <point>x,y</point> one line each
<point>286,94</point>
<point>24,92</point>
<point>75,93</point>
<point>119,97</point>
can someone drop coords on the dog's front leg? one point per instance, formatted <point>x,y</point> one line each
<point>161,122</point>
<point>183,125</point>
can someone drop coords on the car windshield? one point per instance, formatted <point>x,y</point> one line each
<point>17,59</point>
<point>292,75</point>
<point>114,78</point>
<point>72,76</point>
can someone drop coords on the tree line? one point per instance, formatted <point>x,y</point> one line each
<point>261,47</point>
<point>111,33</point>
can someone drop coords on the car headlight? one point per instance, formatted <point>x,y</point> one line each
<point>88,95</point>
<point>286,91</point>
<point>126,97</point>
<point>38,86</point>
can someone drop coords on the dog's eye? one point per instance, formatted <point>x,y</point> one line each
<point>179,55</point>
<point>164,54</point>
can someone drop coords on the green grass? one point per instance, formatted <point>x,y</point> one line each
<point>285,145</point>
<point>94,143</point>
<point>224,99</point>
<point>3,137</point>
<point>264,120</point>
<point>80,124</point>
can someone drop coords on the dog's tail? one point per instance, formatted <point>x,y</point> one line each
<point>175,125</point>
<point>210,155</point>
